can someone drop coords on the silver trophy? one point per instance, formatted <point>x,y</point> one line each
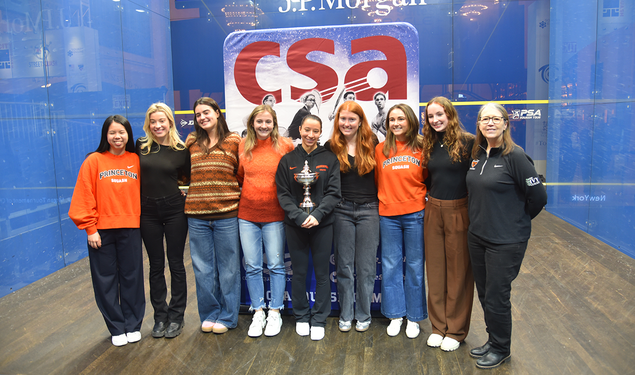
<point>306,178</point>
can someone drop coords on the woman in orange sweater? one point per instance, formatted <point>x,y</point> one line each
<point>401,194</point>
<point>260,217</point>
<point>106,204</point>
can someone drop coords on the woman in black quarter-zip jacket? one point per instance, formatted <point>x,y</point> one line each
<point>505,193</point>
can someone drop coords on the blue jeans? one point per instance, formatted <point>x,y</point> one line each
<point>252,237</point>
<point>215,251</point>
<point>356,235</point>
<point>402,236</point>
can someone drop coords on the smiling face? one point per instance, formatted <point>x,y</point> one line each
<point>491,131</point>
<point>437,117</point>
<point>117,138</point>
<point>348,124</point>
<point>160,127</point>
<point>206,117</point>
<point>398,124</point>
<point>310,131</point>
<point>263,125</point>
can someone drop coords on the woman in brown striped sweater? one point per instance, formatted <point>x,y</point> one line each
<point>212,208</point>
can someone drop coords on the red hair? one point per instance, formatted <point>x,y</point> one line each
<point>365,142</point>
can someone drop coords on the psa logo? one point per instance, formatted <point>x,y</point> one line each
<point>532,181</point>
<point>525,114</point>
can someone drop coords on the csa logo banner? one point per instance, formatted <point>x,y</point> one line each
<point>313,70</point>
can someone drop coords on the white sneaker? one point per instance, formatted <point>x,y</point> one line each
<point>120,340</point>
<point>435,340</point>
<point>133,336</point>
<point>449,344</point>
<point>302,328</point>
<point>412,330</point>
<point>317,333</point>
<point>257,324</point>
<point>394,327</point>
<point>274,323</point>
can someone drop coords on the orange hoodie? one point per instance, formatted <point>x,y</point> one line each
<point>400,177</point>
<point>107,193</point>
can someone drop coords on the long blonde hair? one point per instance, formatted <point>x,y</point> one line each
<point>174,139</point>
<point>251,139</point>
<point>414,139</point>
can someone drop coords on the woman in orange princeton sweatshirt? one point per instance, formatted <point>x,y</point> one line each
<point>401,191</point>
<point>106,203</point>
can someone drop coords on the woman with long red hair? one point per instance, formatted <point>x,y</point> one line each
<point>356,229</point>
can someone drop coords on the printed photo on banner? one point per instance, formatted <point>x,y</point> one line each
<point>312,70</point>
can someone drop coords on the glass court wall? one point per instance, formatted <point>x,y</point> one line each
<point>66,65</point>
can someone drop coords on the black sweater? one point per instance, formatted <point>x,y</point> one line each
<point>161,170</point>
<point>505,193</point>
<point>446,179</point>
<point>325,192</point>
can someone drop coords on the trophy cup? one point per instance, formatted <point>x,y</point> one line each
<point>306,178</point>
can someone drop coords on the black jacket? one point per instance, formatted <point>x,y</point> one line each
<point>325,192</point>
<point>504,194</point>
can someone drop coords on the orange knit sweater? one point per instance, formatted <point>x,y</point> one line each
<point>259,197</point>
<point>107,193</point>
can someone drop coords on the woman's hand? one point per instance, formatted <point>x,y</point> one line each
<point>310,222</point>
<point>94,240</point>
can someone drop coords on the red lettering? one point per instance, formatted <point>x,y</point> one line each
<point>324,76</point>
<point>395,66</point>
<point>245,71</point>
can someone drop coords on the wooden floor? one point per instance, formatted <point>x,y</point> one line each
<point>573,311</point>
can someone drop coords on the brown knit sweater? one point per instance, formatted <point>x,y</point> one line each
<point>214,192</point>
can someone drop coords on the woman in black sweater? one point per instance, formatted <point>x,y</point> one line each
<point>446,151</point>
<point>164,160</point>
<point>310,231</point>
<point>505,194</point>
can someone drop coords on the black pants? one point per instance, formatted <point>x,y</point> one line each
<point>318,241</point>
<point>165,217</point>
<point>495,266</point>
<point>117,272</point>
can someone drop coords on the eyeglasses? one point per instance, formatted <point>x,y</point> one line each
<point>495,120</point>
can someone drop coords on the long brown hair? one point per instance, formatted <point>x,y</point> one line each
<point>414,139</point>
<point>251,139</point>
<point>200,136</point>
<point>508,144</point>
<point>365,143</point>
<point>455,135</point>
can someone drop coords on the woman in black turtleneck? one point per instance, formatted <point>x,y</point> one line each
<point>446,154</point>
